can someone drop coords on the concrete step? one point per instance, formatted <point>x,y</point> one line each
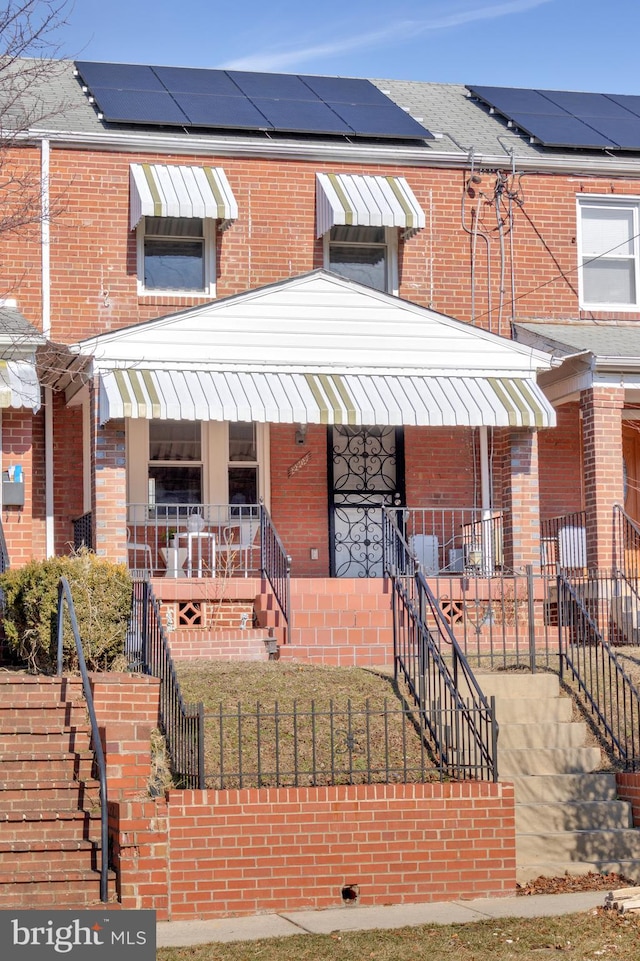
<point>578,846</point>
<point>572,816</point>
<point>527,872</point>
<point>531,789</point>
<point>517,685</point>
<point>527,710</point>
<point>579,760</point>
<point>570,734</point>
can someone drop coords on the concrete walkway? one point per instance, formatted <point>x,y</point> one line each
<point>173,934</point>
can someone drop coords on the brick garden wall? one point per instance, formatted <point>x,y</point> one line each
<point>238,852</point>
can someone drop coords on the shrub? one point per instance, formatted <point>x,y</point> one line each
<point>101,594</point>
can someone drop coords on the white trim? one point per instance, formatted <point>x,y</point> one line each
<point>208,292</point>
<point>391,244</point>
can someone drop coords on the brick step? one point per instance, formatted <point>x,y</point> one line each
<point>339,655</point>
<point>56,717</point>
<point>77,766</point>
<point>55,889</point>
<point>50,826</point>
<point>37,796</point>
<point>41,738</point>
<point>225,644</point>
<point>44,856</point>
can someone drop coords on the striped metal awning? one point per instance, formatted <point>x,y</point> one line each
<point>19,386</point>
<point>167,190</point>
<point>362,201</point>
<point>323,398</point>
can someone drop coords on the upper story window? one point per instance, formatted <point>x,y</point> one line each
<point>176,211</point>
<point>360,218</point>
<point>364,254</point>
<point>608,251</point>
<point>177,254</point>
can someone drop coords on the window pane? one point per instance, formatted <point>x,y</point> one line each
<point>174,440</point>
<point>366,265</point>
<point>607,230</point>
<point>173,226</point>
<point>175,485</point>
<point>243,485</point>
<point>242,442</point>
<point>173,264</point>
<point>609,282</point>
<point>358,235</point>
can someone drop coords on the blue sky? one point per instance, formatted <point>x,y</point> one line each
<point>567,44</point>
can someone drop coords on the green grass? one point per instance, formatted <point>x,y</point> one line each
<point>591,936</point>
<point>371,737</point>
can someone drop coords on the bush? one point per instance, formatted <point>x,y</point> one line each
<point>101,594</point>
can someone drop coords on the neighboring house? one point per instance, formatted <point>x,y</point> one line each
<point>268,308</point>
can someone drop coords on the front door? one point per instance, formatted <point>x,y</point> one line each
<point>366,473</point>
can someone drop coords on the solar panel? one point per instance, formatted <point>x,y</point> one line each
<point>186,80</point>
<point>380,121</point>
<point>311,116</point>
<point>561,131</point>
<point>584,105</point>
<point>121,76</point>
<point>139,106</point>
<point>346,90</point>
<point>229,112</point>
<point>272,86</point>
<point>510,100</point>
<point>625,133</point>
<point>627,100</point>
<point>228,99</point>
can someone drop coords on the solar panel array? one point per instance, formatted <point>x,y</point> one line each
<point>239,100</point>
<point>561,118</point>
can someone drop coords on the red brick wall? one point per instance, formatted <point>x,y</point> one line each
<point>603,470</point>
<point>560,465</point>
<point>23,542</point>
<point>628,788</point>
<point>246,851</point>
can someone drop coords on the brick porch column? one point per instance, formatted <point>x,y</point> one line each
<point>521,501</point>
<point>108,485</point>
<point>601,409</point>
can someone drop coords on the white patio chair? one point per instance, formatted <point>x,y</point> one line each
<point>238,543</point>
<point>136,548</point>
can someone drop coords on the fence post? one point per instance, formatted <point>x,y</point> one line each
<point>531,618</point>
<point>144,628</point>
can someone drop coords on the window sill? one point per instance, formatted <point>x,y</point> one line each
<point>185,299</point>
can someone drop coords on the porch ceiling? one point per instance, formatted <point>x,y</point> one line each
<point>280,396</point>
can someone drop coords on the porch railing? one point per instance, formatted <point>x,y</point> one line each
<point>626,535</point>
<point>563,543</point>
<point>602,684</point>
<point>275,563</point>
<point>83,532</point>
<point>147,651</point>
<point>453,540</point>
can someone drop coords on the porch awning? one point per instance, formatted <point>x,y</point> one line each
<point>384,399</point>
<point>366,202</point>
<point>171,190</point>
<point>19,386</point>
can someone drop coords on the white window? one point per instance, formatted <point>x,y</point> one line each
<point>176,255</point>
<point>367,255</point>
<point>608,252</point>
<point>175,462</point>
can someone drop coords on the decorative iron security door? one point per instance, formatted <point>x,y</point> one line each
<point>366,473</point>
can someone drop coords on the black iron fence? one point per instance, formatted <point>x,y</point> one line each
<point>315,745</point>
<point>585,613</point>
<point>148,651</point>
<point>452,540</point>
<point>626,545</point>
<point>563,543</point>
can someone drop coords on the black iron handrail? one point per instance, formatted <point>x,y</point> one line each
<point>275,563</point>
<point>627,544</point>
<point>64,597</point>
<point>148,651</point>
<point>603,684</point>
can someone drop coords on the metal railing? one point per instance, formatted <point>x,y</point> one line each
<point>626,545</point>
<point>315,746</point>
<point>147,651</point>
<point>66,600</point>
<point>275,563</point>
<point>563,543</point>
<point>83,532</point>
<point>602,684</point>
<point>453,540</point>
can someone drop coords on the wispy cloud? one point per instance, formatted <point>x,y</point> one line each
<point>396,31</point>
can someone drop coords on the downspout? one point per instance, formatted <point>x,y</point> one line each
<point>46,330</point>
<point>485,499</point>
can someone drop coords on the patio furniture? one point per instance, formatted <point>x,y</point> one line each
<point>237,543</point>
<point>136,548</point>
<point>174,558</point>
<point>196,548</point>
